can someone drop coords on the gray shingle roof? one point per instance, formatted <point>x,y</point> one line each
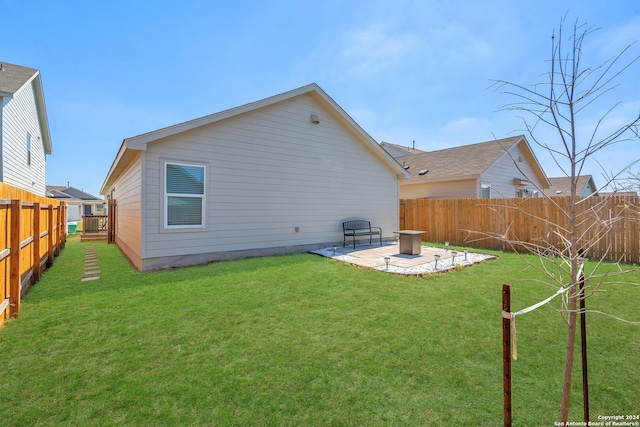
<point>13,77</point>
<point>61,192</point>
<point>397,148</point>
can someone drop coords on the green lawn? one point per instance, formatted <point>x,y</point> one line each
<point>300,340</point>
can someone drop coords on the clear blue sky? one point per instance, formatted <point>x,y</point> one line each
<point>404,70</point>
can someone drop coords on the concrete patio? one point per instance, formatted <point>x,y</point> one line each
<point>373,256</point>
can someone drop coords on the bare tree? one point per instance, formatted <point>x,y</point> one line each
<point>629,184</point>
<point>559,102</point>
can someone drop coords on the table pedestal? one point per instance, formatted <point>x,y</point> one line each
<point>410,241</point>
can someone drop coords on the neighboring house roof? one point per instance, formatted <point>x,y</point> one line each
<point>465,162</point>
<point>561,186</point>
<point>397,150</point>
<point>61,192</point>
<point>130,146</point>
<point>12,79</point>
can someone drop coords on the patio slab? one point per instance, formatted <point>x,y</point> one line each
<point>373,256</point>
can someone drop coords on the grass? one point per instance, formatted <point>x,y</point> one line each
<point>299,340</point>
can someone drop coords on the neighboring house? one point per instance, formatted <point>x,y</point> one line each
<point>279,175</point>
<point>561,186</point>
<point>493,169</point>
<point>79,203</point>
<point>24,129</point>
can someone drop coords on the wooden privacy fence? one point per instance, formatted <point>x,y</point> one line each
<point>609,226</point>
<point>32,233</point>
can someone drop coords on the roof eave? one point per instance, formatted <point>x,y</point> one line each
<point>120,161</point>
<point>542,176</point>
<point>140,142</point>
<point>42,114</point>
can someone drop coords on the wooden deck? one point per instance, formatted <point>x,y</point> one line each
<point>95,228</point>
<point>94,237</point>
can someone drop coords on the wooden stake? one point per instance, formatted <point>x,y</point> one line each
<point>583,343</point>
<point>506,354</point>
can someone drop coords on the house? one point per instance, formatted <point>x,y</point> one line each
<point>275,176</point>
<point>24,129</point>
<point>79,203</point>
<point>561,186</point>
<point>493,169</point>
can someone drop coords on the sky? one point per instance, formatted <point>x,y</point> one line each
<point>404,70</point>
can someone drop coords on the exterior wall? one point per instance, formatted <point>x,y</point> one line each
<point>587,190</point>
<point>3,102</point>
<point>19,117</point>
<point>127,193</point>
<point>276,183</point>
<point>74,211</point>
<point>502,173</point>
<point>461,189</point>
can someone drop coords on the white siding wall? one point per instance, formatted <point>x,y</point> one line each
<point>3,102</point>
<point>268,172</point>
<point>461,189</point>
<point>129,212</point>
<point>20,116</point>
<point>502,173</point>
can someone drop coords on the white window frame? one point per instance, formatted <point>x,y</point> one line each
<point>167,196</point>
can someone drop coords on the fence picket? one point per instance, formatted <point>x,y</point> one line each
<point>32,229</point>
<point>472,222</point>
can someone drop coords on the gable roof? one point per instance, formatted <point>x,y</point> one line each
<point>561,186</point>
<point>62,192</point>
<point>131,146</point>
<point>466,162</point>
<point>15,77</point>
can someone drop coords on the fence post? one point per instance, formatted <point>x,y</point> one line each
<point>14,260</point>
<point>56,227</point>
<point>63,223</point>
<point>50,236</point>
<point>36,242</point>
<point>111,221</point>
<point>506,354</point>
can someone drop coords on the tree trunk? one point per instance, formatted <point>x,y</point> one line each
<point>568,363</point>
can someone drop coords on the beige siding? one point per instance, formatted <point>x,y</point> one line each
<point>460,189</point>
<point>270,171</point>
<point>19,117</point>
<point>127,193</point>
<point>502,173</point>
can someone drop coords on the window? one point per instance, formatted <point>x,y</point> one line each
<point>184,196</point>
<point>28,149</point>
<point>524,192</point>
<point>485,191</point>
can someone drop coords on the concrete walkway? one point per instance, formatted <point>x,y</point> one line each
<point>373,256</point>
<point>91,268</point>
